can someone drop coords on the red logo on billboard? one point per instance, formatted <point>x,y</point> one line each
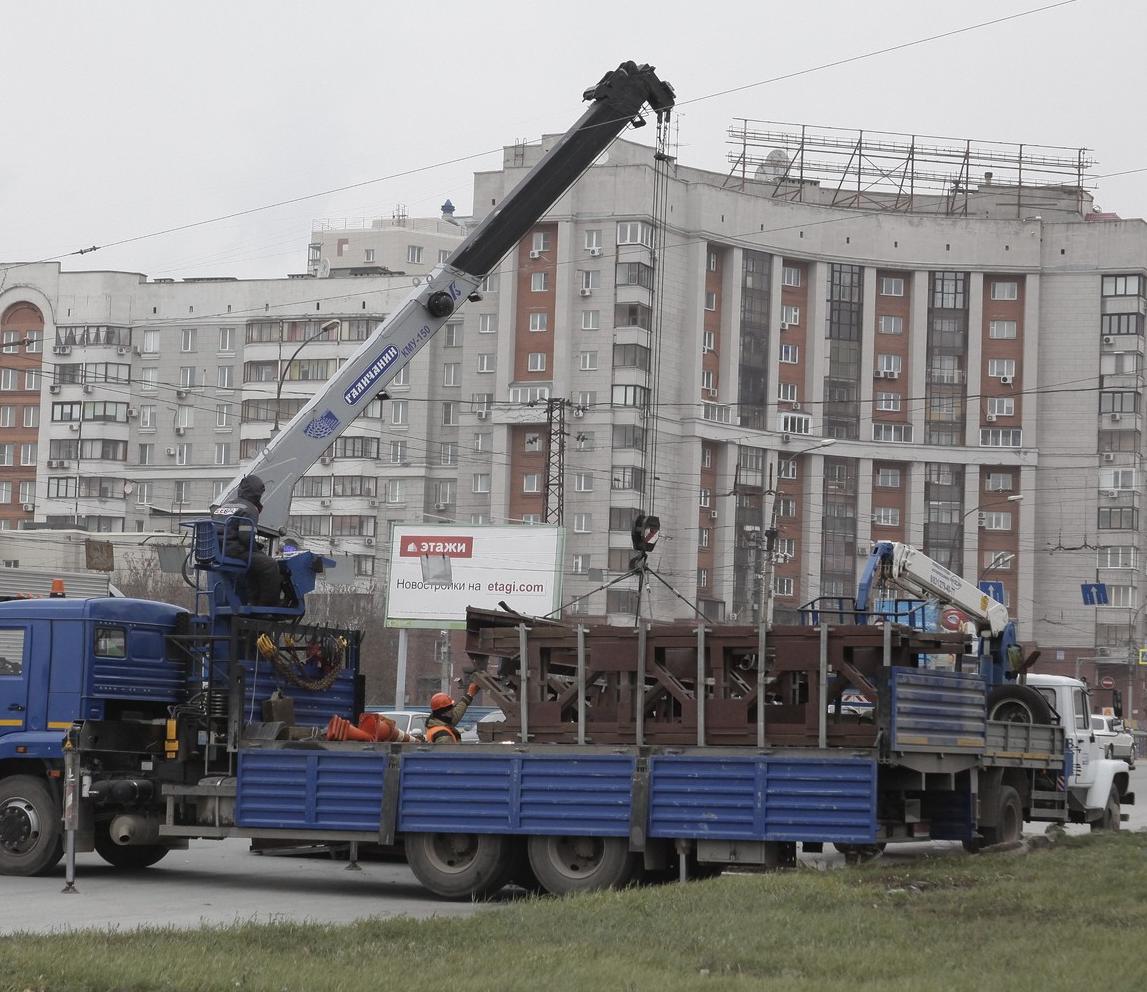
<point>441,547</point>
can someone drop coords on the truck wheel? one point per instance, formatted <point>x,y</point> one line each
<point>581,864</point>
<point>460,866</point>
<point>1109,819</point>
<point>1017,704</point>
<point>1009,818</point>
<point>133,857</point>
<point>31,834</point>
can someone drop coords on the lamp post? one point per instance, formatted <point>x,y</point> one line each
<point>284,368</point>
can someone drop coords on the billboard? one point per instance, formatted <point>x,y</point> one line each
<point>436,571</point>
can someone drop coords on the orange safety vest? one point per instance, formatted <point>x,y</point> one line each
<point>442,734</point>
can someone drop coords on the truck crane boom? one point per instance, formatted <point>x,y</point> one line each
<point>618,100</point>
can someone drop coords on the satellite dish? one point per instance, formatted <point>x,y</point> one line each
<point>774,166</point>
<point>128,488</point>
<point>417,280</point>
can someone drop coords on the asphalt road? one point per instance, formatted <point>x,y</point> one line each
<point>220,882</point>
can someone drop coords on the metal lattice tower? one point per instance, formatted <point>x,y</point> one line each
<point>554,494</point>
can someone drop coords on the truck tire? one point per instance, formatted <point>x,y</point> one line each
<point>460,866</point>
<point>134,857</point>
<point>1009,818</point>
<point>31,834</point>
<point>581,864</point>
<point>1013,703</point>
<point>1109,818</point>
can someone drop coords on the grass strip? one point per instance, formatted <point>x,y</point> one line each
<point>1049,920</point>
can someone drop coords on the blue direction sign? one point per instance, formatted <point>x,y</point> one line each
<point>1094,593</point>
<point>995,589</point>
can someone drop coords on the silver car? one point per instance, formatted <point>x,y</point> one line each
<point>1116,741</point>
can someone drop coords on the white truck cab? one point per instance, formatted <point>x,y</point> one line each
<point>1096,785</point>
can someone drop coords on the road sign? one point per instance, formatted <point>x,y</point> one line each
<point>1143,656</point>
<point>993,588</point>
<point>437,570</point>
<point>1094,593</point>
<point>1107,682</point>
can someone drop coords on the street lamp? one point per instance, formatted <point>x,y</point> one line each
<point>283,369</point>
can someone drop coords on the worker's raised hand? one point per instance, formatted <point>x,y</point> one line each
<point>473,689</point>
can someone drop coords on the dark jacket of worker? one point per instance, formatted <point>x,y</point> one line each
<point>445,715</point>
<point>263,581</point>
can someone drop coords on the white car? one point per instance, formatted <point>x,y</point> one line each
<point>410,721</point>
<point>1114,738</point>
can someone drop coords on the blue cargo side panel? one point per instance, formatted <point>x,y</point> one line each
<point>763,797</point>
<point>455,792</point>
<point>933,710</point>
<point>312,709</point>
<point>310,790</point>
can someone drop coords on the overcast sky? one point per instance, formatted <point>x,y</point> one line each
<point>122,119</point>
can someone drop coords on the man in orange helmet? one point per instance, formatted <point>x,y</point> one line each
<point>445,714</point>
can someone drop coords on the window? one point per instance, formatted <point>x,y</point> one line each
<point>481,402</point>
<point>12,341</point>
<point>996,437</point>
<point>8,414</point>
<point>787,392</point>
<point>626,477</point>
<point>890,324</point>
<point>187,376</point>
<point>1121,596</point>
<point>487,323</point>
<point>896,433</point>
<point>539,322</point>
<point>28,454</point>
<point>787,469</point>
<point>703,578</point>
<point>587,361</point>
<point>147,454</point>
<point>397,452</point>
<point>593,239</point>
<point>711,260</point>
<point>486,363</point>
<point>634,232</point>
<point>631,356</point>
<point>708,381</point>
<point>414,254</point>
<point>583,482</point>
<point>633,315</point>
<point>222,453</point>
<point>32,380</point>
<point>449,414</point>
<point>223,415</point>
<point>892,286</point>
<point>399,413</point>
<point>452,335</point>
<point>888,478</point>
<point>539,282</point>
<point>999,368</point>
<point>150,342</point>
<point>8,378</point>
<point>704,536</point>
<point>591,320</point>
<point>790,315</point>
<point>183,454</point>
<point>710,300</point>
<point>393,490</point>
<point>1119,402</point>
<point>888,401</point>
<point>1122,286</point>
<point>1001,406</point>
<point>1117,478</point>
<point>540,241</point>
<point>996,520</point>
<point>536,361</point>
<point>888,366</point>
<point>637,396</point>
<point>483,442</point>
<point>1116,556</point>
<point>583,523</point>
<point>480,482</point>
<point>1121,323</point>
<point>31,416</point>
<point>790,276</point>
<point>401,378</point>
<point>32,342</point>
<point>1002,330</point>
<point>999,482</point>
<point>795,423</point>
<point>586,399</point>
<point>580,564</point>
<point>531,483</point>
<point>998,561</point>
<point>790,354</point>
<point>589,279</point>
<point>705,497</point>
<point>187,339</point>
<point>62,413</point>
<point>1005,290</point>
<point>1118,518</point>
<point>782,585</point>
<point>584,441</point>
<point>886,516</point>
<point>452,374</point>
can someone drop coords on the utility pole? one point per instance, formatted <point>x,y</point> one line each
<point>768,548</point>
<point>554,494</point>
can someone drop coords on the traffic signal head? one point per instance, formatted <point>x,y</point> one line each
<point>646,529</point>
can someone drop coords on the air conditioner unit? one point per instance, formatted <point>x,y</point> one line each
<point>1005,380</point>
<point>713,514</point>
<point>990,418</point>
<point>710,392</point>
<point>441,506</point>
<point>180,431</point>
<point>53,463</point>
<point>87,387</point>
<point>171,451</point>
<point>29,507</point>
<point>796,405</point>
<point>372,502</point>
<point>862,551</point>
<point>1116,417</point>
<point>1103,652</point>
<point>1110,493</point>
<point>123,349</point>
<point>595,251</point>
<point>878,373</point>
<point>482,414</point>
<point>73,427</point>
<point>54,387</point>
<point>325,460</point>
<point>324,502</point>
<point>891,374</point>
<point>585,291</point>
<point>62,349</point>
<point>1109,456</point>
<point>369,542</point>
<point>181,394</point>
<point>784,326</point>
<point>535,254</point>
<point>579,412</point>
<point>1108,339</point>
<point>132,412</point>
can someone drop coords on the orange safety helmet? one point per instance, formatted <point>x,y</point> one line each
<point>440,701</point>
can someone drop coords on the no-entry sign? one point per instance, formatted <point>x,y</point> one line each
<point>1107,682</point>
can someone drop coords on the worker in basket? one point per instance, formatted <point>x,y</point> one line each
<point>445,715</point>
<point>263,581</point>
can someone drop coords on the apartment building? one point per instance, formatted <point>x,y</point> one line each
<point>968,381</point>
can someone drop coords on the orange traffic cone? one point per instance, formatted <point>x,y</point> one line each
<point>341,729</point>
<point>382,728</point>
